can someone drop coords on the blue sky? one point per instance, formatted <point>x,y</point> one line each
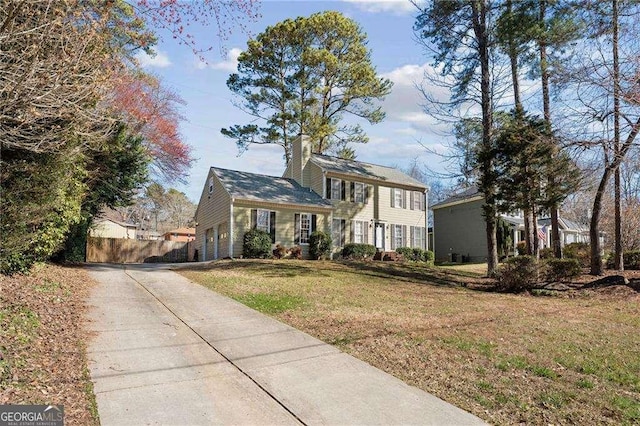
<point>209,107</point>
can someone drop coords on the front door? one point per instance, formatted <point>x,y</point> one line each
<point>380,236</point>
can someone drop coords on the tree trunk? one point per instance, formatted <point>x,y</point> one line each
<point>594,231</point>
<point>536,237</point>
<point>528,231</point>
<point>513,59</point>
<point>479,17</point>
<point>617,257</point>
<point>546,106</point>
<point>556,244</point>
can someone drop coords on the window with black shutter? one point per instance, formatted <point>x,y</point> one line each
<point>272,227</point>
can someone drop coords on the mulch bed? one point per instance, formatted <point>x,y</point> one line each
<point>625,283</point>
<point>42,341</point>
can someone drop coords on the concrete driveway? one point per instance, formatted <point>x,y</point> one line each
<point>169,351</point>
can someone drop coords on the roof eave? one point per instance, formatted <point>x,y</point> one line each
<point>280,203</point>
<point>457,202</point>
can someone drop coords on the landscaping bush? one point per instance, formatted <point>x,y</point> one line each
<point>562,269</point>
<point>418,255</point>
<point>518,274</point>
<point>546,253</point>
<point>579,251</point>
<point>319,245</point>
<point>415,254</point>
<point>521,248</point>
<point>358,251</point>
<point>429,257</point>
<point>296,252</point>
<point>256,244</point>
<point>405,252</point>
<point>279,252</point>
<point>631,259</point>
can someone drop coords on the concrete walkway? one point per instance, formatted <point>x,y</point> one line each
<point>169,351</point>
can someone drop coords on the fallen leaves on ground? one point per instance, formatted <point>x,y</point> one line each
<point>42,341</point>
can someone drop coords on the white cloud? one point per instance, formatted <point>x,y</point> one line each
<point>159,60</point>
<point>230,64</point>
<point>396,7</point>
<point>404,103</point>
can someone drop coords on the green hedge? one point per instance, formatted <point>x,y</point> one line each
<point>416,254</point>
<point>319,245</point>
<point>579,251</point>
<point>630,260</point>
<point>358,251</point>
<point>256,244</point>
<point>562,269</point>
<point>518,274</point>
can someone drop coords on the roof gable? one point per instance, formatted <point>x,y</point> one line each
<point>364,170</point>
<point>269,189</point>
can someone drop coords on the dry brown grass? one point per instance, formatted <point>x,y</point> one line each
<point>555,358</point>
<point>42,343</point>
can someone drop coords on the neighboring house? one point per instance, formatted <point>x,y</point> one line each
<point>570,232</point>
<point>180,234</point>
<point>144,234</point>
<point>352,201</point>
<point>460,229</point>
<point>109,228</point>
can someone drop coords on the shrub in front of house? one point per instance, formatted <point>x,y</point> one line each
<point>521,248</point>
<point>256,244</point>
<point>429,257</point>
<point>415,254</point>
<point>319,245</point>
<point>418,255</point>
<point>579,251</point>
<point>546,253</point>
<point>279,252</point>
<point>520,273</point>
<point>406,253</point>
<point>562,269</point>
<point>631,259</point>
<point>296,252</point>
<point>358,251</point>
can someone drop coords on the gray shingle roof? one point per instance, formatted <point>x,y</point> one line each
<point>366,170</point>
<point>269,189</point>
<point>468,193</point>
<point>565,224</point>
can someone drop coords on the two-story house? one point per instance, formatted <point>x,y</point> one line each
<point>460,229</point>
<point>354,202</point>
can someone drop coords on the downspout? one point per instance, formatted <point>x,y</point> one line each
<point>230,230</point>
<point>324,185</point>
<point>426,219</point>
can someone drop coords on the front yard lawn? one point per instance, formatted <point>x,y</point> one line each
<point>509,359</point>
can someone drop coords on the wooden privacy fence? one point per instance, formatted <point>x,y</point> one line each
<point>122,250</point>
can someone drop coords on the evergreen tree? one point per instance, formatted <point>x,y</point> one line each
<point>462,35</point>
<point>303,76</point>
